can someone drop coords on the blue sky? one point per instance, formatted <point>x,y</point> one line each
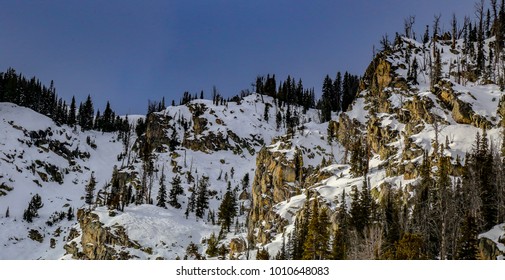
<point>130,52</point>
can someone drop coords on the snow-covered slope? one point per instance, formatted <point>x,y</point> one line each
<point>39,157</point>
<point>407,116</point>
<point>397,116</point>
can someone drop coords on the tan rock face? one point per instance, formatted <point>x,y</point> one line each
<point>461,111</point>
<point>377,75</point>
<point>488,250</point>
<point>276,179</point>
<point>99,242</point>
<point>237,246</point>
<point>383,74</point>
<point>156,136</point>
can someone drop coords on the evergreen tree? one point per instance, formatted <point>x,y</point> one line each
<point>227,210</point>
<point>409,247</point>
<point>28,215</point>
<point>278,120</point>
<point>391,223</point>
<point>162,193</point>
<point>262,254</point>
<point>323,242</point>
<point>107,119</point>
<point>212,245</point>
<point>282,253</point>
<point>356,212</point>
<point>33,207</point>
<point>202,197</point>
<point>326,105</point>
<point>310,245</point>
<point>337,93</point>
<point>266,112</point>
<point>86,114</point>
<point>358,158</point>
<point>90,189</point>
<point>245,182</point>
<point>36,202</point>
<point>468,242</point>
<point>341,235</point>
<point>350,86</point>
<point>487,177</point>
<point>7,213</point>
<point>422,200</point>
<point>175,191</point>
<point>70,214</point>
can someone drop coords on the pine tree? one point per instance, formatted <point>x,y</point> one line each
<point>162,193</point>
<point>337,91</point>
<point>282,253</point>
<point>7,213</point>
<point>357,155</point>
<point>86,114</point>
<point>70,214</point>
<point>323,242</point>
<point>202,197</point>
<point>310,244</point>
<point>391,223</point>
<point>357,220</point>
<point>212,245</point>
<point>192,251</point>
<point>266,112</point>
<point>28,215</point>
<point>227,210</point>
<point>245,182</point>
<point>426,36</point>
<point>72,113</point>
<point>487,180</point>
<point>278,120</point>
<point>340,238</point>
<point>36,202</point>
<point>107,119</point>
<point>326,105</point>
<point>90,189</point>
<point>262,254</point>
<point>422,200</point>
<point>468,242</point>
<point>175,191</point>
<point>33,206</point>
<point>409,247</point>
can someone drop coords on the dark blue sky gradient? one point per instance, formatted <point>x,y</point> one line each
<point>131,51</point>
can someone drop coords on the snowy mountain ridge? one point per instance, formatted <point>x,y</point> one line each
<point>276,173</point>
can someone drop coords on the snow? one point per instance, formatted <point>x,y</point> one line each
<point>18,153</point>
<point>167,231</point>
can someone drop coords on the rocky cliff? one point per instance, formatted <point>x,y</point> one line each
<point>98,242</point>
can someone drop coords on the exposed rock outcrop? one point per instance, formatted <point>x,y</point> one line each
<point>276,179</point>
<point>99,242</point>
<point>461,111</point>
<point>488,249</point>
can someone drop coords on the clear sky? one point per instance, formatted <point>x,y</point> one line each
<point>130,52</point>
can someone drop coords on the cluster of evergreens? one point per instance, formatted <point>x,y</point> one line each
<point>31,93</point>
<point>451,204</point>
<point>33,208</point>
<point>337,95</point>
<point>288,92</point>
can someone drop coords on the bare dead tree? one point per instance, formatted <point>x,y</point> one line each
<point>408,25</point>
<point>454,25</point>
<point>436,26</point>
